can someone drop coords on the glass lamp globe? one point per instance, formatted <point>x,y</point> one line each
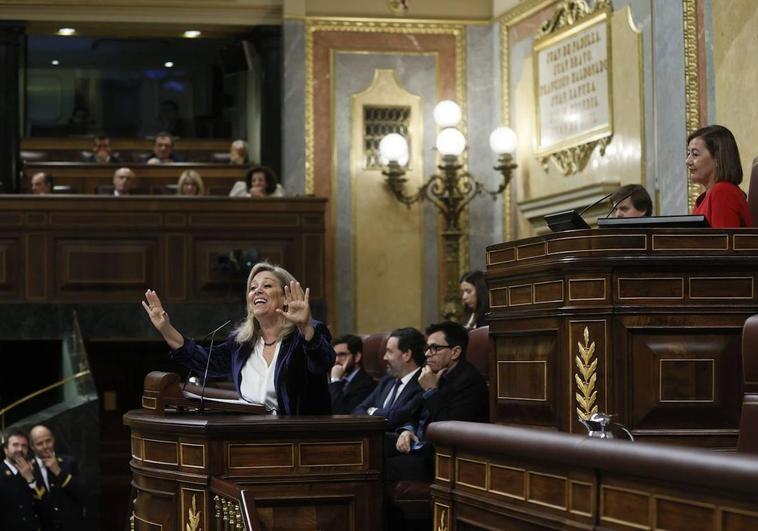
<point>503,140</point>
<point>393,148</point>
<point>451,141</point>
<point>447,113</point>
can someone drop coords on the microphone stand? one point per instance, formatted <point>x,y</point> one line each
<point>207,366</point>
<point>617,203</point>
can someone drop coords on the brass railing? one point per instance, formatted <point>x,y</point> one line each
<point>233,507</point>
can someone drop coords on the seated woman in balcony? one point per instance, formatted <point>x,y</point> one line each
<point>713,160</point>
<point>475,299</point>
<point>278,356</point>
<point>260,181</point>
<point>190,183</point>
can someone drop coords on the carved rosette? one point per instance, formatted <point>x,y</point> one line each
<point>586,378</point>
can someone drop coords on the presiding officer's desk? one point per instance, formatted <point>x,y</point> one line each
<point>286,472</point>
<point>641,323</point>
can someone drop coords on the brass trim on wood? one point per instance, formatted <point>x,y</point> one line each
<point>181,454</point>
<point>341,443</point>
<point>268,445</point>
<point>604,488</point>
<point>544,380</point>
<point>686,360</point>
<point>605,290</point>
<point>678,237</point>
<point>642,279</point>
<point>159,441</point>
<point>458,481</point>
<point>529,498</point>
<point>523,471</point>
<point>749,297</point>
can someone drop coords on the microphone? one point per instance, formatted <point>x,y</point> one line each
<point>617,203</point>
<point>208,364</point>
<point>585,209</point>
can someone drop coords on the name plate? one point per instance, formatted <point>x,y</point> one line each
<point>573,85</point>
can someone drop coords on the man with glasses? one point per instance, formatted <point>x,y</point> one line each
<point>398,395</point>
<point>350,384</point>
<point>453,390</point>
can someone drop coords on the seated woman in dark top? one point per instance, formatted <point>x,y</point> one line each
<point>713,160</point>
<point>475,299</point>
<point>277,357</point>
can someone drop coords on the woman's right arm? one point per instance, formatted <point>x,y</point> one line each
<point>159,318</point>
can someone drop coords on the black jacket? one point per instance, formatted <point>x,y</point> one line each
<point>406,406</point>
<point>347,396</point>
<point>61,508</point>
<point>19,504</point>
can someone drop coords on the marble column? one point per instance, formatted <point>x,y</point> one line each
<point>11,47</point>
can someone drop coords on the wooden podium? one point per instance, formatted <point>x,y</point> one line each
<point>641,323</point>
<point>255,472</point>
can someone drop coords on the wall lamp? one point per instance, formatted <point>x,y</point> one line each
<point>450,190</point>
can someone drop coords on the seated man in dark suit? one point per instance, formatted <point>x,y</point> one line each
<point>398,395</point>
<point>453,390</point>
<point>350,384</point>
<point>62,506</point>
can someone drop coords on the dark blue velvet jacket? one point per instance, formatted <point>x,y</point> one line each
<point>301,376</point>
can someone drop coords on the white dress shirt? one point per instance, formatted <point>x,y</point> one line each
<point>257,385</point>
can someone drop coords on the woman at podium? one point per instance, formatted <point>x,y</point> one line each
<point>713,160</point>
<point>278,356</point>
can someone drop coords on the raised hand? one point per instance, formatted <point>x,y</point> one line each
<point>297,308</point>
<point>154,308</point>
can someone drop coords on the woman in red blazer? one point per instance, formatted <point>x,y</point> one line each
<point>713,160</point>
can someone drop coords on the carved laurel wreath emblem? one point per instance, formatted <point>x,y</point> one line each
<point>586,378</point>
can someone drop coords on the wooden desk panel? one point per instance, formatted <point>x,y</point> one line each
<point>84,178</point>
<point>643,324</point>
<point>302,472</point>
<point>73,249</point>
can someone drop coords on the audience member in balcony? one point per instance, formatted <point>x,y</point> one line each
<point>350,384</point>
<point>238,154</point>
<point>42,183</point>
<point>101,151</point>
<point>398,395</point>
<point>631,201</point>
<point>453,390</point>
<point>163,150</point>
<point>20,494</point>
<point>190,183</point>
<point>62,505</point>
<point>475,299</point>
<point>713,160</point>
<point>260,181</point>
<point>278,356</point>
<point>123,181</point>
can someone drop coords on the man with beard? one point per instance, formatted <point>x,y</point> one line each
<point>350,384</point>
<point>61,507</point>
<point>19,493</point>
<point>398,395</point>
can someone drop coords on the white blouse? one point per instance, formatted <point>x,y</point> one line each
<point>257,383</point>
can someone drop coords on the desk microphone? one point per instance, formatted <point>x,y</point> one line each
<point>585,209</point>
<point>208,364</point>
<point>617,203</point>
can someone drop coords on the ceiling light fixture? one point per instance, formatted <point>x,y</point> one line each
<point>55,62</point>
<point>66,32</point>
<point>168,64</point>
<point>191,34</point>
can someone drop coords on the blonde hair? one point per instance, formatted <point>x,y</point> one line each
<point>193,177</point>
<point>249,330</point>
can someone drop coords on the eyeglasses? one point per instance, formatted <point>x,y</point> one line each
<point>434,349</point>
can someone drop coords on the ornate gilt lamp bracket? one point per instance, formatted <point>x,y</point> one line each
<point>586,378</point>
<point>568,13</point>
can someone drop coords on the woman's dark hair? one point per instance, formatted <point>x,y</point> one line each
<point>476,278</point>
<point>722,146</point>
<point>268,174</point>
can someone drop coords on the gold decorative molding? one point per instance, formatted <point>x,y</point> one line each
<point>193,516</point>
<point>586,378</point>
<point>570,12</point>
<point>574,159</point>
<point>691,84</point>
<point>507,20</point>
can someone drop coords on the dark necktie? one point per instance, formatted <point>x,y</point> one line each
<point>393,394</point>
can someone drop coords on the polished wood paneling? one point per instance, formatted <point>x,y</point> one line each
<point>302,472</point>
<point>110,250</point>
<point>663,308</point>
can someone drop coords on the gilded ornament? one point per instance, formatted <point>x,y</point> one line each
<point>586,378</point>
<point>442,524</point>
<point>193,516</point>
